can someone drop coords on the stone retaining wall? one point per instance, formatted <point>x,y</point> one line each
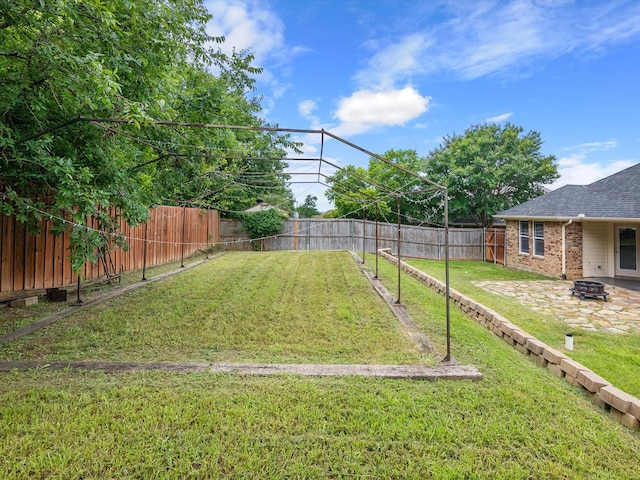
<point>622,406</point>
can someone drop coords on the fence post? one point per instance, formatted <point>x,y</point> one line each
<point>364,229</point>
<point>484,244</point>
<point>353,235</point>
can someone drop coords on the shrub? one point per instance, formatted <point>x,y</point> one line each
<point>263,224</point>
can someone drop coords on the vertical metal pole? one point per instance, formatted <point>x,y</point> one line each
<point>144,251</point>
<point>376,240</point>
<point>79,302</point>
<point>184,215</point>
<point>364,229</point>
<point>398,242</point>
<point>446,270</point>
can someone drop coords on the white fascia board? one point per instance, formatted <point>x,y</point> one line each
<point>566,219</point>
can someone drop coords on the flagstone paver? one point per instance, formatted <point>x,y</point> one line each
<point>619,314</point>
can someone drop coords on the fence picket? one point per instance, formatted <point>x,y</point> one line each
<point>347,234</point>
<point>38,262</point>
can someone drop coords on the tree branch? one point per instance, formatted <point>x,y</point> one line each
<point>14,54</point>
<point>136,167</point>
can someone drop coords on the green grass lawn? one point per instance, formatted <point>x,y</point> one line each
<point>519,422</point>
<point>285,307</point>
<point>615,357</point>
<point>13,318</point>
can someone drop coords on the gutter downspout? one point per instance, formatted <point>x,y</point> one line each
<point>564,253</point>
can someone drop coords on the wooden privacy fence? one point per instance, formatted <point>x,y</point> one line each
<point>38,262</point>
<point>353,234</point>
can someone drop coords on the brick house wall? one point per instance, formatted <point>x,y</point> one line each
<point>551,262</point>
<point>573,244</point>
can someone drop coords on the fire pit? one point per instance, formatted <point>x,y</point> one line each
<point>587,289</point>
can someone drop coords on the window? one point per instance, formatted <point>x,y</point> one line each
<point>538,239</point>
<point>524,237</point>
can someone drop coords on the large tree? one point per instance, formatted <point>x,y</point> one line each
<point>490,168</point>
<point>350,192</point>
<point>140,62</point>
<point>487,169</point>
<point>308,209</point>
<point>382,184</point>
<point>397,179</point>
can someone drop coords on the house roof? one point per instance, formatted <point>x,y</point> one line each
<point>474,222</point>
<point>261,206</point>
<point>616,197</point>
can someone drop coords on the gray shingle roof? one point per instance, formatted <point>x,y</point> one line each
<point>616,196</point>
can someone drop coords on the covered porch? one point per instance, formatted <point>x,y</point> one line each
<point>611,250</point>
<point>621,282</point>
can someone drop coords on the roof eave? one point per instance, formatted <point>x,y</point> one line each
<point>575,218</point>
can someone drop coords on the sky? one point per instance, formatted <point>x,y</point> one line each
<point>404,74</point>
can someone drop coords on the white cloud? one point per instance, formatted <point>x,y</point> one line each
<point>477,39</point>
<point>250,25</point>
<point>499,118</point>
<point>306,108</point>
<point>576,170</point>
<point>366,109</point>
<point>612,23</point>
<point>462,38</point>
<point>395,62</point>
<point>307,147</point>
<point>246,25</point>
<point>492,39</point>
<point>588,147</point>
<point>471,39</point>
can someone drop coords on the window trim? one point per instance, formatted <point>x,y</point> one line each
<point>522,236</point>
<point>537,239</point>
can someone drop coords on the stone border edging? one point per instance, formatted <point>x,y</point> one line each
<point>412,372</point>
<point>622,406</point>
<point>406,322</point>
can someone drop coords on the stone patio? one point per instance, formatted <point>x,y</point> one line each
<point>619,314</point>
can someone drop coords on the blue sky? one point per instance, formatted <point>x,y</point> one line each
<point>403,74</point>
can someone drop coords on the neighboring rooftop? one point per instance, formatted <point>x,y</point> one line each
<point>262,206</point>
<point>613,197</point>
